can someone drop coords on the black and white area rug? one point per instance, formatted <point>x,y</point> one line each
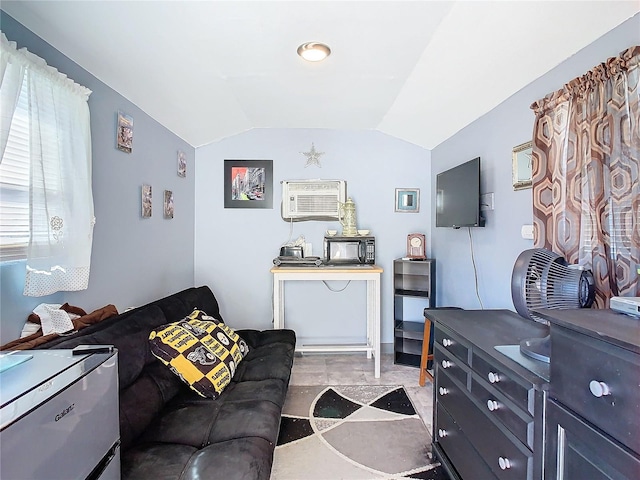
<point>352,432</point>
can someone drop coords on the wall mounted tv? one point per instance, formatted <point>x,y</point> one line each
<point>458,196</point>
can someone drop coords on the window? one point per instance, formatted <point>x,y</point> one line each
<point>46,203</point>
<point>14,185</point>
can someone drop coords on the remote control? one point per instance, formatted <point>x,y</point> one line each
<point>86,349</point>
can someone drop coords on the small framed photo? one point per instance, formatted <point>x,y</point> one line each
<point>182,164</point>
<point>521,158</point>
<point>124,140</point>
<point>248,184</point>
<point>168,204</point>
<point>146,201</point>
<point>407,200</point>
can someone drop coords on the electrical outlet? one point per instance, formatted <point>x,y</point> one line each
<point>486,201</point>
<point>527,232</point>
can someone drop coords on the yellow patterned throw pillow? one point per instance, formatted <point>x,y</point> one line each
<point>201,350</point>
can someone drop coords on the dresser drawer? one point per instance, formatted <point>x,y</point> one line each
<point>599,381</point>
<point>452,344</point>
<point>468,463</point>
<point>497,406</point>
<point>507,457</point>
<point>449,394</point>
<point>452,366</point>
<point>504,382</point>
<point>576,450</point>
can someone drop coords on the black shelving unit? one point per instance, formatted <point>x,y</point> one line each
<point>413,291</point>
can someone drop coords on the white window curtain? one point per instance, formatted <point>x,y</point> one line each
<point>12,75</point>
<point>60,197</point>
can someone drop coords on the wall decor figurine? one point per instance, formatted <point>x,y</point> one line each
<point>146,201</point>
<point>182,164</point>
<point>248,183</point>
<point>168,204</point>
<point>124,132</point>
<point>313,156</point>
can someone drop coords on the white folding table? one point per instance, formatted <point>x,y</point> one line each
<point>369,273</point>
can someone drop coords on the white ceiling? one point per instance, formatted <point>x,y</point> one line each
<point>417,70</point>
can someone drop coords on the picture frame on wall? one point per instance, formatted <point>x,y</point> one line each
<point>248,184</point>
<point>146,201</point>
<point>168,204</point>
<point>407,200</point>
<point>521,158</point>
<point>124,133</point>
<point>182,164</point>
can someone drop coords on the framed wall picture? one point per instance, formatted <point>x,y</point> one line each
<point>124,132</point>
<point>248,184</point>
<point>182,164</point>
<point>146,201</point>
<point>168,204</point>
<point>521,159</point>
<point>407,200</point>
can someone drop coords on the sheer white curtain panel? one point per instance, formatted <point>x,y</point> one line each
<point>11,74</point>
<point>60,196</point>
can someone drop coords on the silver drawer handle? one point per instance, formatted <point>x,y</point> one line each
<point>447,342</point>
<point>599,389</point>
<point>442,433</point>
<point>493,377</point>
<point>492,405</point>
<point>443,391</point>
<point>504,463</point>
<point>446,364</point>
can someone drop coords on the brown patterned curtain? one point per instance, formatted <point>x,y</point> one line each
<point>586,174</point>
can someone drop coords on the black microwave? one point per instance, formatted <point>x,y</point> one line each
<point>342,250</point>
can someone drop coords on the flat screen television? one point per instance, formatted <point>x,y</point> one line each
<point>458,196</point>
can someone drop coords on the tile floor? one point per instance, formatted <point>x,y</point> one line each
<point>355,369</point>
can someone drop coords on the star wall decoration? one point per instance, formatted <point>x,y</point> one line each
<point>313,157</point>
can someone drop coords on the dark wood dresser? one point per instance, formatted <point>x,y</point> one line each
<point>488,409</point>
<point>500,415</point>
<point>593,407</point>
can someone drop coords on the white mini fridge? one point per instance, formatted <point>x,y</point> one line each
<point>59,416</point>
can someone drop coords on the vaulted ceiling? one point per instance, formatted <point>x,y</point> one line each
<point>416,70</point>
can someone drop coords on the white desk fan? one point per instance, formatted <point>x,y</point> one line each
<point>543,279</point>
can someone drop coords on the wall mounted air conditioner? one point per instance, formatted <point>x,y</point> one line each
<point>312,199</point>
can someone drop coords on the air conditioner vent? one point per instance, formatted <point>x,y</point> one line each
<point>312,199</point>
<point>317,203</point>
<point>327,186</point>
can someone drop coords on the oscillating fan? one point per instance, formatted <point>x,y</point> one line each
<point>543,279</point>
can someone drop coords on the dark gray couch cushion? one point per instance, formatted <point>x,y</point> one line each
<point>270,389</point>
<point>186,424</point>
<point>240,459</point>
<point>156,461</point>
<point>253,418</point>
<point>140,403</point>
<point>270,355</point>
<point>260,365</point>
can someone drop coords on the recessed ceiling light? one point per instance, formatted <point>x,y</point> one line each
<point>314,51</point>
